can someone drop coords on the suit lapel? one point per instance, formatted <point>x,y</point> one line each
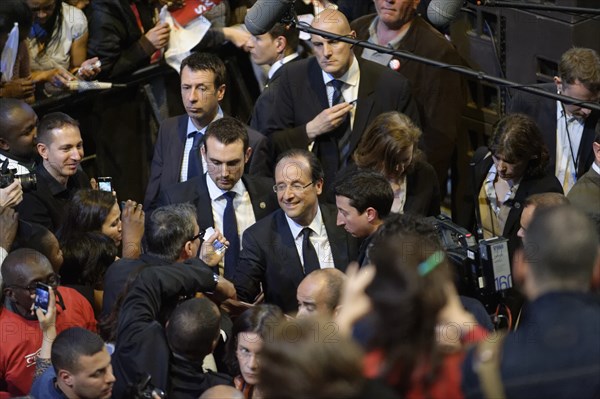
<point>287,253</point>
<point>258,197</point>
<point>203,204</point>
<point>336,237</point>
<point>179,143</point>
<point>364,105</point>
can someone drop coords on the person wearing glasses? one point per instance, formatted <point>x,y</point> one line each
<point>225,197</point>
<point>20,333</point>
<point>282,248</point>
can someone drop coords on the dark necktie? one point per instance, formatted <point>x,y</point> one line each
<point>311,260</point>
<point>344,128</point>
<point>230,231</point>
<point>194,159</point>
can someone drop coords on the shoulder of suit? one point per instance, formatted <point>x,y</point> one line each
<point>267,224</point>
<point>362,24</point>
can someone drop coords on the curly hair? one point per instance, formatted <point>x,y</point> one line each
<point>518,139</point>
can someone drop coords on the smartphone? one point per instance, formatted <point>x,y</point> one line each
<point>105,184</point>
<point>42,297</point>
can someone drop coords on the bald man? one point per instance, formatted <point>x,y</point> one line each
<point>319,293</point>
<point>315,100</point>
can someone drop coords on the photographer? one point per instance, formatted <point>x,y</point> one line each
<point>172,351</point>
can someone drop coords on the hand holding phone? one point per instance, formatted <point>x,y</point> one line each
<point>105,184</point>
<point>42,297</point>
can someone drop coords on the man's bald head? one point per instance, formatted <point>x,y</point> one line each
<point>319,293</point>
<point>334,57</point>
<point>222,392</point>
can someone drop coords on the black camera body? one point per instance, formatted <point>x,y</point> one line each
<point>8,176</point>
<point>482,268</point>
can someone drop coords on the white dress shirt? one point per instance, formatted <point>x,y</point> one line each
<point>189,142</point>
<point>569,132</point>
<point>318,238</point>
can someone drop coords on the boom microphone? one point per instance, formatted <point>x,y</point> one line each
<point>264,14</point>
<point>442,12</point>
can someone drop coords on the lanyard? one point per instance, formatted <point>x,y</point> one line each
<point>573,157</point>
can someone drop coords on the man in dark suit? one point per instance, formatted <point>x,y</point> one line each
<point>176,152</point>
<point>302,236</point>
<point>315,99</point>
<point>275,48</point>
<point>567,129</point>
<point>224,197</point>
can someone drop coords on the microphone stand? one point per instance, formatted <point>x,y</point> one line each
<point>304,27</point>
<point>540,7</point>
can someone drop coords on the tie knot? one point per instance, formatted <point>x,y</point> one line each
<point>306,232</point>
<point>229,195</point>
<point>337,84</point>
<point>197,136</point>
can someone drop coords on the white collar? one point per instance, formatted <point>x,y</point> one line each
<point>315,225</point>
<point>350,77</point>
<point>279,63</point>
<point>216,193</point>
<point>191,128</point>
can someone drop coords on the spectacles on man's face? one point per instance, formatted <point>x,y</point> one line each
<point>197,236</point>
<point>295,188</point>
<point>52,280</point>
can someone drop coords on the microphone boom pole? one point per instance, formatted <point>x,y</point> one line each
<point>540,7</point>
<point>480,75</point>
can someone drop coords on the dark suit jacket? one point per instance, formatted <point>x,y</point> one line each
<point>586,193</point>
<point>543,112</point>
<point>302,95</point>
<point>529,186</point>
<point>422,191</point>
<point>195,191</point>
<point>269,257</point>
<point>168,155</point>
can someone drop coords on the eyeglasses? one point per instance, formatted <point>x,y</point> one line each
<point>197,236</point>
<point>294,188</point>
<point>53,281</point>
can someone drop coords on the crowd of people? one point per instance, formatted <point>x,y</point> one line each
<point>297,254</point>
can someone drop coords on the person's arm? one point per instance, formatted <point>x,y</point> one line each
<point>133,229</point>
<point>9,223</point>
<point>48,326</point>
<point>250,269</point>
<point>11,195</point>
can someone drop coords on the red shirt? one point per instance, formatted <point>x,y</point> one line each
<point>21,340</point>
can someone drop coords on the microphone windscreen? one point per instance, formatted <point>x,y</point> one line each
<point>442,12</point>
<point>264,14</point>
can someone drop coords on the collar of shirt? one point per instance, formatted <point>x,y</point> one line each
<point>491,177</point>
<point>561,114</point>
<point>596,167</point>
<point>316,225</point>
<point>350,78</point>
<point>375,40</point>
<point>191,128</point>
<point>55,187</point>
<point>216,193</point>
<point>278,64</point>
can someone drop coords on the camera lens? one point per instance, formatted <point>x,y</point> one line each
<point>28,181</point>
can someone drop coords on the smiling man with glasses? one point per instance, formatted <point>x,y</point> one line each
<point>302,236</point>
<point>20,334</point>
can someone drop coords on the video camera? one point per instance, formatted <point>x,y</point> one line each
<point>482,268</point>
<point>8,176</point>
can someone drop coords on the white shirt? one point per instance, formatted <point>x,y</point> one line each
<point>244,214</point>
<point>351,81</point>
<point>278,64</point>
<point>569,132</point>
<point>318,238</point>
<point>189,142</point>
<point>12,164</point>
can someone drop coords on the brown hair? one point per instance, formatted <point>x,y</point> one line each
<point>516,139</point>
<point>581,64</point>
<point>384,140</point>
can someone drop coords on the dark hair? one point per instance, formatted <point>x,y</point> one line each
<point>169,228</point>
<point>561,247</point>
<point>70,345</point>
<point>316,169</point>
<point>52,27</point>
<point>227,130</point>
<point>546,200</point>
<point>581,64</point>
<point>364,189</point>
<point>206,62</point>
<point>308,359</point>
<point>383,142</point>
<point>51,121</point>
<point>193,327</point>
<point>516,138</point>
<point>86,258</point>
<point>12,11</point>
<point>405,302</point>
<point>290,33</point>
<point>262,320</point>
<point>86,211</point>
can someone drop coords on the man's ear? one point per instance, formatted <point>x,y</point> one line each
<point>10,294</point>
<point>247,155</point>
<point>558,83</point>
<point>4,144</point>
<point>280,44</point>
<point>336,311</point>
<point>42,150</point>
<point>221,92</point>
<point>187,251</point>
<point>65,377</point>
<point>372,214</point>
